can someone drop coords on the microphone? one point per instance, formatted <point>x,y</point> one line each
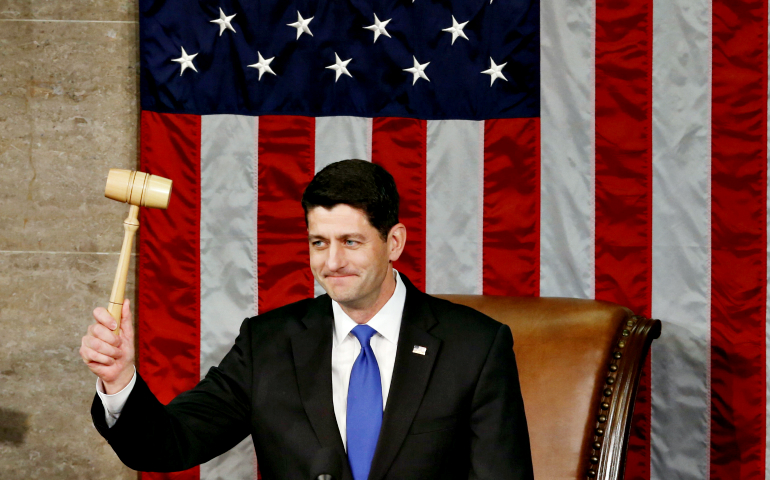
<point>326,465</point>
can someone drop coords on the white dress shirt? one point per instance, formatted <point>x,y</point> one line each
<point>345,350</point>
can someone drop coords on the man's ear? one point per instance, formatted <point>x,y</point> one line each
<point>396,241</point>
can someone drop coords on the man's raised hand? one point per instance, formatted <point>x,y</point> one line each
<point>110,356</point>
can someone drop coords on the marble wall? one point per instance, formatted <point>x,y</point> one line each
<point>68,113</point>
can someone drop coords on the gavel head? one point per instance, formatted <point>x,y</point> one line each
<point>138,188</point>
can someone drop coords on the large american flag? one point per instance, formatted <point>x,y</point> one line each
<point>609,149</point>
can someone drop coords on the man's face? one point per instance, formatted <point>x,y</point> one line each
<point>348,257</point>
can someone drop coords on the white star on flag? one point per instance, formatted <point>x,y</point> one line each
<point>456,30</point>
<point>417,70</point>
<point>301,25</point>
<point>495,72</point>
<point>224,22</point>
<point>379,28</point>
<point>340,67</point>
<point>186,61</point>
<point>263,65</point>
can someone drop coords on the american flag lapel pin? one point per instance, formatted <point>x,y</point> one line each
<point>419,350</point>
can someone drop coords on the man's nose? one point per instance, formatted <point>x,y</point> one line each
<point>336,258</point>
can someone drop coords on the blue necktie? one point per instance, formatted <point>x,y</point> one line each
<point>364,416</point>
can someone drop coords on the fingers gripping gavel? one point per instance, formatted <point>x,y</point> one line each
<point>138,189</point>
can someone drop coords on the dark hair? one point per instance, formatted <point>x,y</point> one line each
<point>359,184</point>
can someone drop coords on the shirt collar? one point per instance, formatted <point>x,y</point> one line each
<point>387,321</point>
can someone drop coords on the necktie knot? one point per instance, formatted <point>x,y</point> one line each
<point>364,334</point>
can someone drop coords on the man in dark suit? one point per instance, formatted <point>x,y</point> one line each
<point>393,382</point>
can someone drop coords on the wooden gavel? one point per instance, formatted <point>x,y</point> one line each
<point>138,189</point>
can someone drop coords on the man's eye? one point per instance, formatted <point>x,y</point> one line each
<point>351,243</point>
<point>317,244</point>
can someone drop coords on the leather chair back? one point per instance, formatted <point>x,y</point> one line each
<point>579,366</point>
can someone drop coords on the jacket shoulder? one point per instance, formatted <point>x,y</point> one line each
<point>287,318</point>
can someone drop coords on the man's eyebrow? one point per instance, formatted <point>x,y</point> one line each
<point>351,236</point>
<point>342,236</point>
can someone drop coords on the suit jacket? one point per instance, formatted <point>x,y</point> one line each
<point>454,413</point>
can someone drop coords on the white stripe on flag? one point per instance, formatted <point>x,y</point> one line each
<point>681,255</point>
<point>226,246</point>
<point>453,200</point>
<point>226,230</point>
<point>567,106</point>
<point>341,138</point>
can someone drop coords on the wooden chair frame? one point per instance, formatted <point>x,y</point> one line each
<point>625,342</point>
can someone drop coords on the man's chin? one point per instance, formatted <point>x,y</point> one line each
<point>343,296</point>
<point>338,295</point>
<point>339,284</point>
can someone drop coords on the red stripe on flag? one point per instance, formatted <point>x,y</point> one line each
<point>738,238</point>
<point>285,166</point>
<point>511,234</point>
<point>399,145</point>
<point>168,307</point>
<point>624,181</point>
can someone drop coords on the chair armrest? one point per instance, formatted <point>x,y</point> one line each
<point>615,410</point>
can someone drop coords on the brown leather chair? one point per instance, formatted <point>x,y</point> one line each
<point>579,366</point>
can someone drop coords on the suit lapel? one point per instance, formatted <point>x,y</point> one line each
<point>411,373</point>
<point>312,351</point>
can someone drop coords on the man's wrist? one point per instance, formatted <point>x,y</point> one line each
<point>113,404</point>
<point>117,385</point>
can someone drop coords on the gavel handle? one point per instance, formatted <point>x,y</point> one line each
<point>130,225</point>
